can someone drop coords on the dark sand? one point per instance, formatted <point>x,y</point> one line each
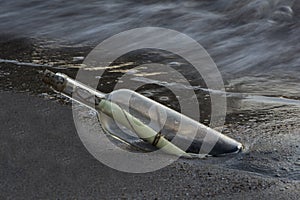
<point>42,157</point>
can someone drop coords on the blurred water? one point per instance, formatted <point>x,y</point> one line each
<point>250,36</point>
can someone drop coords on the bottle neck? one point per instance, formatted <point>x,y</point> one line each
<point>73,89</point>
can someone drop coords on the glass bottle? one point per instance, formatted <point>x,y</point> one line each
<point>133,114</point>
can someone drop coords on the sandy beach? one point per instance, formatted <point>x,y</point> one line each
<point>42,157</point>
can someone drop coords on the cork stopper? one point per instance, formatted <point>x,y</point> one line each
<point>56,81</point>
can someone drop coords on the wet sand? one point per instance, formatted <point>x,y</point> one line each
<point>42,156</point>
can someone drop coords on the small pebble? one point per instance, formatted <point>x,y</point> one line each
<point>285,169</point>
<point>297,163</point>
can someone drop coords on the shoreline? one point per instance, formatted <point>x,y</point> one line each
<point>42,156</point>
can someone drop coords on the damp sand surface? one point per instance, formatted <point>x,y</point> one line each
<point>43,157</point>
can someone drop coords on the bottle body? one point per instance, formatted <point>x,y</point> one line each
<point>186,133</point>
